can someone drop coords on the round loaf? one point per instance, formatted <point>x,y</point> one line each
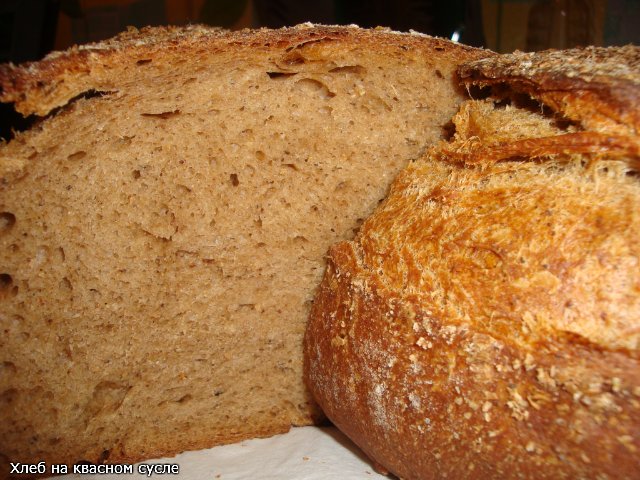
<point>485,322</point>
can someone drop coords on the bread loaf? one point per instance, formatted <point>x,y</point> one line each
<point>163,227</point>
<point>485,322</point>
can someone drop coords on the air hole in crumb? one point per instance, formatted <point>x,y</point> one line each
<point>136,174</point>
<point>143,61</point>
<point>438,73</point>
<point>9,395</point>
<point>502,104</point>
<point>300,239</point>
<point>217,392</point>
<point>354,69</point>
<point>356,229</point>
<point>7,220</point>
<point>293,58</point>
<point>77,155</point>
<point>564,123</point>
<point>280,75</point>
<point>291,166</point>
<point>314,87</point>
<point>105,453</point>
<point>184,399</point>
<point>162,115</point>
<point>448,130</point>
<point>260,155</point>
<point>6,282</point>
<point>65,284</point>
<point>234,179</point>
<point>60,254</point>
<point>479,93</point>
<point>342,186</point>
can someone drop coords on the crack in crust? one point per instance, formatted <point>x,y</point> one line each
<point>599,87</point>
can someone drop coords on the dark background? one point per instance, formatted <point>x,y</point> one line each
<point>29,29</point>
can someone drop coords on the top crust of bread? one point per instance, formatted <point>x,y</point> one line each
<point>599,87</point>
<point>37,88</point>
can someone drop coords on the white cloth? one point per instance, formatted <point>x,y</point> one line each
<point>306,453</point>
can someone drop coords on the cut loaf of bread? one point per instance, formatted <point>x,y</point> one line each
<point>162,230</point>
<point>485,322</point>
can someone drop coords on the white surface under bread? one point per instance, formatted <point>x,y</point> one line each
<point>306,453</point>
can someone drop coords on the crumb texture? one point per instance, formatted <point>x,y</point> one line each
<point>485,321</point>
<point>162,231</point>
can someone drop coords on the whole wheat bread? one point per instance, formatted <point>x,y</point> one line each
<point>485,322</point>
<point>163,228</point>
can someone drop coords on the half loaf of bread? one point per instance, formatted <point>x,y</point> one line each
<point>162,230</point>
<point>485,322</point>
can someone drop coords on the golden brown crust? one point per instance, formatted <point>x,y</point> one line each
<point>485,322</point>
<point>453,341</point>
<point>589,144</point>
<point>37,88</point>
<point>599,87</point>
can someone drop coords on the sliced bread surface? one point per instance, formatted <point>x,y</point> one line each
<point>162,230</point>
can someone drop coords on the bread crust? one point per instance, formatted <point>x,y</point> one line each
<point>598,87</point>
<point>485,322</point>
<point>39,87</point>
<point>494,386</point>
<point>589,144</point>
